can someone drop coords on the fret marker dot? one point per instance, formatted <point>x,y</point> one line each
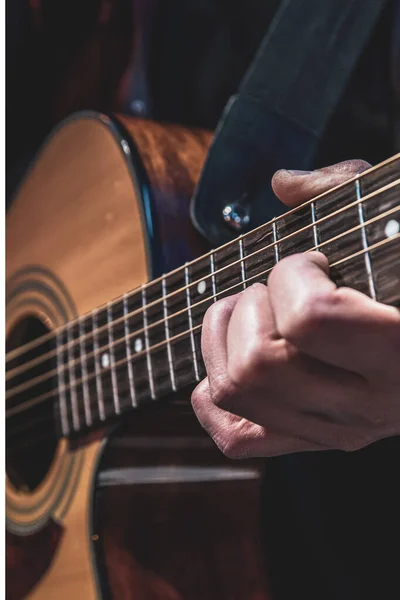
<point>105,360</point>
<point>138,345</point>
<point>392,228</point>
<point>201,287</point>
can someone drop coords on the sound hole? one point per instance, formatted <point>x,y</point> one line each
<point>30,434</point>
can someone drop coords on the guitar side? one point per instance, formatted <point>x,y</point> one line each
<point>97,216</point>
<point>76,237</point>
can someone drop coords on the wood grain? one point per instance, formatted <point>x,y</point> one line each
<point>193,530</point>
<point>173,157</point>
<point>35,553</point>
<point>79,225</point>
<point>78,218</point>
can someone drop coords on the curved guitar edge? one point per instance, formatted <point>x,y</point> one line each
<point>167,161</point>
<point>175,519</point>
<point>56,560</point>
<point>100,256</point>
<point>32,555</point>
<point>137,173</point>
<point>164,163</point>
<point>81,169</point>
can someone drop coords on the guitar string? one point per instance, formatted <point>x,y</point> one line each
<point>45,397</point>
<point>12,354</point>
<point>12,392</point>
<point>39,420</point>
<point>105,328</point>
<point>49,418</point>
<point>122,340</point>
<point>16,430</point>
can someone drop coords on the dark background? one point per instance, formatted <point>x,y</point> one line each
<point>331,519</point>
<point>64,56</point>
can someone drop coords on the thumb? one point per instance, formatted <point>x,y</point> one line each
<point>295,187</point>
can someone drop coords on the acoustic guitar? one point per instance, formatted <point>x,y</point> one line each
<point>113,489</point>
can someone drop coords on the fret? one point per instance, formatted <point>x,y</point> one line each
<point>72,381</point>
<point>386,269</point>
<point>228,269</point>
<point>128,351</point>
<point>364,242</point>
<point>134,345</point>
<point>295,232</point>
<point>78,383</point>
<point>147,344</point>
<point>275,238</point>
<point>212,271</point>
<point>85,386</point>
<point>191,333</point>
<point>315,228</point>
<point>388,173</point>
<point>62,398</point>
<point>178,324</point>
<point>157,328</point>
<point>87,366</point>
<point>66,376</point>
<point>200,290</point>
<point>260,254</point>
<point>78,374</point>
<point>352,273</point>
<point>99,383</point>
<point>385,265</point>
<point>119,366</point>
<point>200,296</point>
<point>103,362</point>
<point>142,356</point>
<point>242,267</point>
<point>167,336</point>
<point>112,359</point>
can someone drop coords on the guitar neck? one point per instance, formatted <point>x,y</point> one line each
<point>145,345</point>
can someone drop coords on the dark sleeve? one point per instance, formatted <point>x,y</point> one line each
<point>202,50</point>
<point>332,524</point>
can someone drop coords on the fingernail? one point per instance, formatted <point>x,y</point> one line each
<point>295,172</point>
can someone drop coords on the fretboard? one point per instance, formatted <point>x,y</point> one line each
<point>142,347</point>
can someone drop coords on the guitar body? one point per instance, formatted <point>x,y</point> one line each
<point>150,509</point>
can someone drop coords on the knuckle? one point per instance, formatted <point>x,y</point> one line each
<point>252,364</point>
<point>200,391</point>
<point>308,316</point>
<point>354,165</point>
<point>218,310</point>
<point>370,412</point>
<point>354,443</point>
<point>232,448</point>
<point>229,448</point>
<point>222,393</point>
<point>255,288</point>
<point>196,399</point>
<point>212,314</point>
<point>377,419</point>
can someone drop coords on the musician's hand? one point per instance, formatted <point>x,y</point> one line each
<point>300,365</point>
